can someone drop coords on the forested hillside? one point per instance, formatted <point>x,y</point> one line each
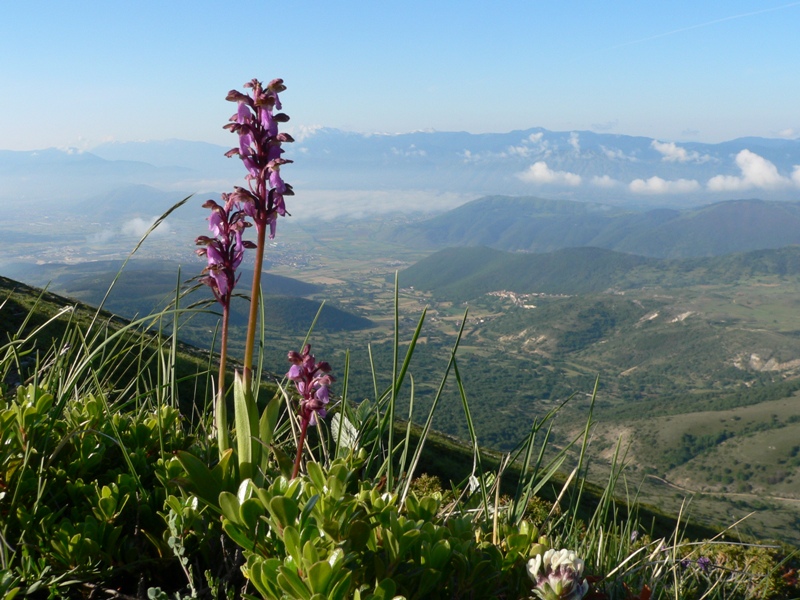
<point>464,273</point>
<point>536,225</point>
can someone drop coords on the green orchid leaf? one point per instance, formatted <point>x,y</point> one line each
<point>203,482</point>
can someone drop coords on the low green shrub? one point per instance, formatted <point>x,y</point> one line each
<point>331,534</point>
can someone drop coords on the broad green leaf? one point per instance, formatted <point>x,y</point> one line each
<point>342,587</point>
<point>429,506</point>
<point>205,483</point>
<point>250,512</point>
<point>359,534</point>
<point>245,490</point>
<point>243,432</point>
<point>344,433</point>
<point>319,575</point>
<point>385,590</point>
<point>309,506</point>
<point>269,419</point>
<point>316,475</point>
<point>284,510</point>
<point>518,542</point>
<point>291,583</point>
<point>440,554</point>
<point>310,554</point>
<point>222,471</point>
<point>263,573</point>
<point>44,402</point>
<point>284,462</point>
<point>408,539</point>
<point>291,539</point>
<point>11,594</point>
<point>229,504</point>
<point>391,544</point>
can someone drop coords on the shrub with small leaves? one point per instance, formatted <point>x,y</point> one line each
<point>330,533</point>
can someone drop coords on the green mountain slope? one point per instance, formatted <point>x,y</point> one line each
<point>40,325</point>
<point>89,280</point>
<point>510,223</point>
<point>147,285</point>
<point>718,229</point>
<point>460,274</point>
<point>535,225</point>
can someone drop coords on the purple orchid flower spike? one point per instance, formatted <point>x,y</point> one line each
<point>256,124</point>
<point>225,250</point>
<point>312,380</point>
<point>260,150</point>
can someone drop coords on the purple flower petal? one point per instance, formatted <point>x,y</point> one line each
<point>295,373</point>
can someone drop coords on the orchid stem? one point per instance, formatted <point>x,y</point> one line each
<point>220,410</point>
<point>303,429</point>
<point>255,295</point>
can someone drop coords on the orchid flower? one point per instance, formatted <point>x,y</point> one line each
<point>225,250</point>
<point>312,380</point>
<point>260,150</point>
<point>256,124</point>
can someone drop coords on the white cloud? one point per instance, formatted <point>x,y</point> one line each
<point>137,227</point>
<point>539,172</point>
<point>757,172</point>
<point>574,141</point>
<point>789,133</point>
<point>671,152</point>
<point>657,185</point>
<point>536,143</point>
<point>523,151</point>
<point>531,146</point>
<point>102,237</point>
<point>411,151</point>
<point>605,181</point>
<point>617,154</point>
<point>796,175</point>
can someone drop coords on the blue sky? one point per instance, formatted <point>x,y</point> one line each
<point>79,73</point>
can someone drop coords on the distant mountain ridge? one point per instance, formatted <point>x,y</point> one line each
<point>578,165</point>
<point>465,273</point>
<point>581,165</point>
<point>530,224</point>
